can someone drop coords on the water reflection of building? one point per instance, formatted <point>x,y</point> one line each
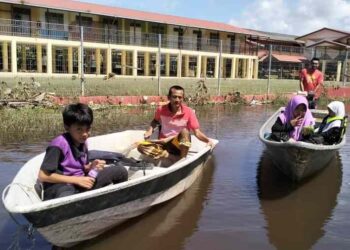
<point>165,226</point>
<point>296,214</point>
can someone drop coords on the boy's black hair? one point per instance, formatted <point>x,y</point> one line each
<point>176,87</point>
<point>78,113</point>
<point>315,59</point>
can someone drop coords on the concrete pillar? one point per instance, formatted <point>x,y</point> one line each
<point>256,68</point>
<point>244,69</point>
<point>187,65</point>
<point>49,58</point>
<point>13,57</point>
<point>204,66</point>
<point>24,58</point>
<point>98,61</point>
<point>216,71</point>
<point>199,66</point>
<point>35,14</point>
<point>179,65</point>
<point>5,57</point>
<point>123,63</point>
<point>237,67</point>
<point>70,60</point>
<point>39,60</point>
<point>249,68</point>
<point>233,68</point>
<point>167,64</point>
<point>109,61</point>
<point>134,63</point>
<point>339,67</point>
<point>324,63</point>
<point>146,60</point>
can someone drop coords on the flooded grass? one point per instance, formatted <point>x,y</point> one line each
<point>35,124</point>
<point>242,200</point>
<point>149,86</point>
<point>25,123</point>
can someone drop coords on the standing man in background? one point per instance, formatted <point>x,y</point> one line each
<point>311,79</point>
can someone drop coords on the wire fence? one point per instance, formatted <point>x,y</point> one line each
<point>274,61</point>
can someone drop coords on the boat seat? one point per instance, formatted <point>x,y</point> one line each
<point>138,173</point>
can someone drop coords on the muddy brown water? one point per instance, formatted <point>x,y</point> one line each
<point>241,201</point>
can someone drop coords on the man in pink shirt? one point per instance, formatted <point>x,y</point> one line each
<point>176,121</point>
<point>311,79</point>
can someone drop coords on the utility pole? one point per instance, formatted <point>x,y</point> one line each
<point>269,72</point>
<point>219,66</point>
<point>159,61</point>
<point>82,80</point>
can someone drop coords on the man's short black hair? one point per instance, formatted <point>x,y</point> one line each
<point>315,59</point>
<point>77,113</point>
<point>176,87</point>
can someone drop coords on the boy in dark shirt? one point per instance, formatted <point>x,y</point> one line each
<point>65,169</point>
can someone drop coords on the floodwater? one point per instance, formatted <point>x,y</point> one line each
<point>240,202</point>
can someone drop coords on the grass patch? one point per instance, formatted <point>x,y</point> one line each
<point>132,86</point>
<point>37,124</point>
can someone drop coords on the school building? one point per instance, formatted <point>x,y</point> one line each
<point>45,38</point>
<point>331,46</point>
<point>287,56</point>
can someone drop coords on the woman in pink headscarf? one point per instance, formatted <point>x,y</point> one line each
<point>290,123</point>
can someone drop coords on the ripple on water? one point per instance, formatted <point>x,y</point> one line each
<point>243,201</point>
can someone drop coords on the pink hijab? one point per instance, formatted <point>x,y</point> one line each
<point>287,115</point>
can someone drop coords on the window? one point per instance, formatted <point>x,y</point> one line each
<point>84,21</point>
<point>54,18</point>
<point>158,29</point>
<point>180,37</point>
<point>54,21</point>
<point>135,33</point>
<point>214,39</point>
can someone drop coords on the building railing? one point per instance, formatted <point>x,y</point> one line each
<point>12,27</point>
<point>284,49</point>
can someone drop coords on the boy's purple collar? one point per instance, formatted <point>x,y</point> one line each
<point>76,151</point>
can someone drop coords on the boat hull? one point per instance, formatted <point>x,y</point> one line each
<point>298,160</point>
<point>90,217</point>
<point>69,220</point>
<point>299,163</point>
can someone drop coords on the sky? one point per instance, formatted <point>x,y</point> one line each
<point>295,17</point>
